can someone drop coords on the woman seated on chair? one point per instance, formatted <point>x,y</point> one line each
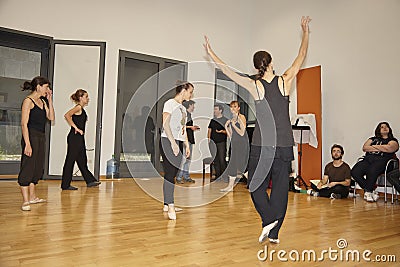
<point>378,150</point>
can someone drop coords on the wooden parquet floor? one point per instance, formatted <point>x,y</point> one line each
<point>118,224</point>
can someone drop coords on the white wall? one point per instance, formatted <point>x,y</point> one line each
<point>171,29</point>
<point>357,44</point>
<point>355,41</point>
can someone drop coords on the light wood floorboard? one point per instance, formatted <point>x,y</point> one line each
<point>118,224</point>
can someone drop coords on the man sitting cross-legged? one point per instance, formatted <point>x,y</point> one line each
<point>337,177</point>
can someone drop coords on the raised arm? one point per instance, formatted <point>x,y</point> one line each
<point>291,73</point>
<point>50,110</point>
<point>245,82</point>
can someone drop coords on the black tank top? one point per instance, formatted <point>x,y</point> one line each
<point>273,127</point>
<point>80,121</point>
<point>37,117</point>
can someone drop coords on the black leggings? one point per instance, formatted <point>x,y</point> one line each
<point>76,152</point>
<point>371,166</point>
<point>171,165</point>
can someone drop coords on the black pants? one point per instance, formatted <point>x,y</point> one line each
<point>273,207</point>
<point>371,166</point>
<point>76,152</point>
<point>337,189</point>
<point>171,165</point>
<point>218,153</point>
<point>32,168</point>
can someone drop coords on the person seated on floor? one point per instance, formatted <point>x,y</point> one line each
<point>378,150</point>
<point>337,177</point>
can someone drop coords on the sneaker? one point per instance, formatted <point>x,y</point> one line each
<point>335,196</point>
<point>375,195</point>
<point>179,181</point>
<point>369,197</point>
<point>189,180</point>
<point>312,193</point>
<point>265,231</point>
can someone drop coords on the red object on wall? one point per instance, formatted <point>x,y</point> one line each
<point>309,101</point>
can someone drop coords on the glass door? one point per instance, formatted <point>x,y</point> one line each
<point>22,57</point>
<point>76,65</point>
<point>144,83</point>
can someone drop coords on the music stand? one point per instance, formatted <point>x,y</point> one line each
<point>301,128</point>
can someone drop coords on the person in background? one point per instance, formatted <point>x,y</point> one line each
<point>337,177</point>
<point>76,150</point>
<point>378,150</point>
<point>173,138</point>
<point>236,130</point>
<point>183,175</point>
<point>34,115</point>
<point>217,140</point>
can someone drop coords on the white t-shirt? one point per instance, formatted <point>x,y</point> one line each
<point>177,121</point>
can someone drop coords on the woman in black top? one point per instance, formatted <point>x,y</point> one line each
<point>271,149</point>
<point>76,151</point>
<point>34,115</point>
<point>378,150</point>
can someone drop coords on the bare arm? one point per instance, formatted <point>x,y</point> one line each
<point>50,110</point>
<point>26,109</point>
<point>245,82</point>
<point>209,134</point>
<point>346,182</point>
<point>391,147</point>
<point>68,118</point>
<point>168,132</point>
<point>324,181</point>
<point>228,128</point>
<point>291,73</point>
<point>368,148</point>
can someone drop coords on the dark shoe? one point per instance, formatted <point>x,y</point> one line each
<point>179,181</point>
<point>70,188</point>
<point>189,180</point>
<point>93,184</point>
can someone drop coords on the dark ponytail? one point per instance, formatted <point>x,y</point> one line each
<point>77,95</point>
<point>261,60</point>
<point>181,85</point>
<point>31,85</point>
